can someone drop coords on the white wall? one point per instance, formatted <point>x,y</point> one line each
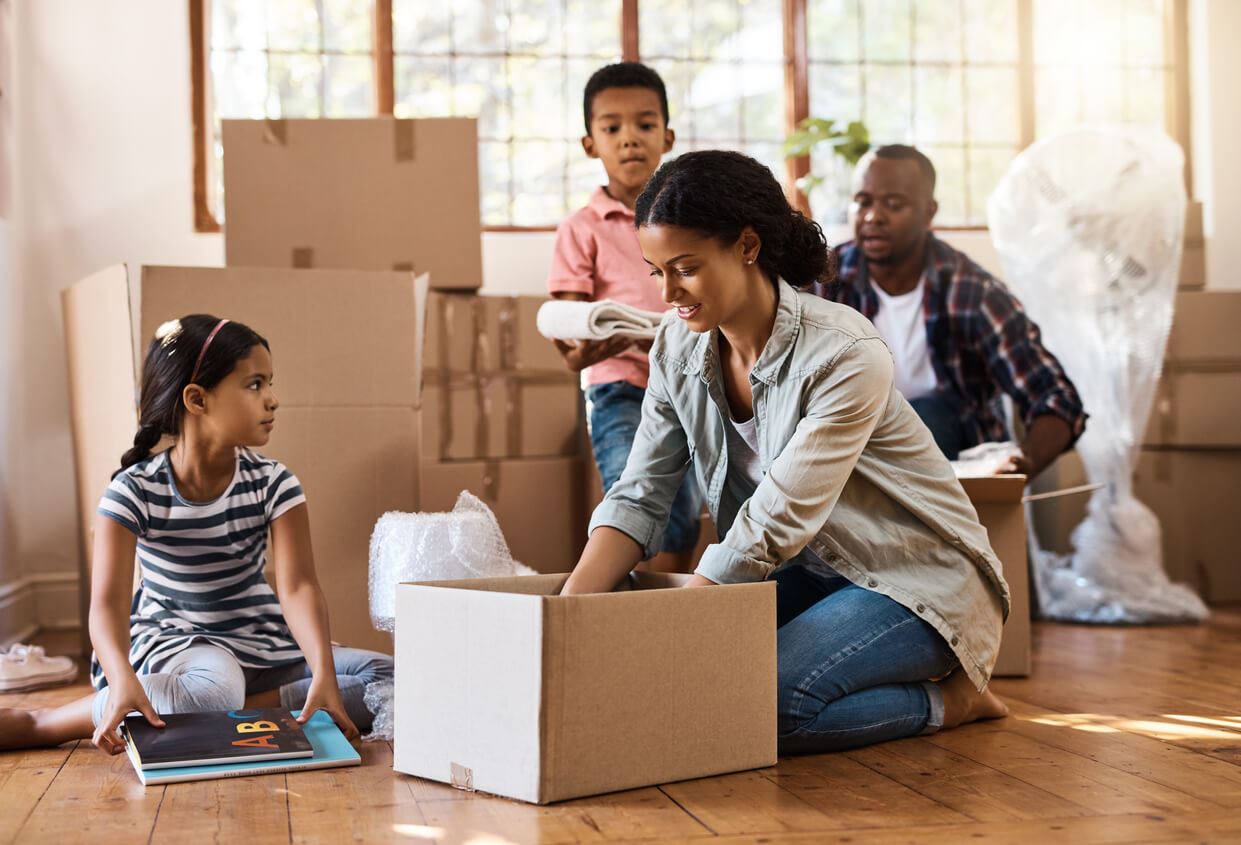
<point>95,143</point>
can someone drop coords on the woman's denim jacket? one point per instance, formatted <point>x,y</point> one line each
<point>850,472</point>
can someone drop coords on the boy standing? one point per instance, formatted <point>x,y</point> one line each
<point>597,256</point>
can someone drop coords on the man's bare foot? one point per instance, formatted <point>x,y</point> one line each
<point>963,703</point>
<point>17,728</point>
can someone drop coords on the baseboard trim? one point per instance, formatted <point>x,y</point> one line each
<point>41,601</point>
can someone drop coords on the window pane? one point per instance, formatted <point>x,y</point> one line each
<point>423,88</point>
<point>421,28</point>
<point>1143,32</point>
<point>886,30</point>
<point>938,113</point>
<point>888,98</point>
<point>836,92</point>
<point>480,26</point>
<point>986,168</point>
<point>495,173</point>
<point>665,29</point>
<point>990,30</point>
<point>350,86</point>
<point>536,26</point>
<point>1144,96</point>
<point>992,96</point>
<point>239,84</point>
<point>238,24</point>
<point>538,181</point>
<point>293,25</point>
<point>950,185</point>
<point>348,25</point>
<point>296,85</point>
<point>539,98</point>
<point>592,28</point>
<point>833,30</point>
<point>937,32</point>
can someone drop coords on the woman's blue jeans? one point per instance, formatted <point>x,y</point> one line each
<point>854,667</point>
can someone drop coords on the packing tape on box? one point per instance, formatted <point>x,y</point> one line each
<point>275,131</point>
<point>483,385</point>
<point>403,266</point>
<point>404,137</point>
<point>303,257</point>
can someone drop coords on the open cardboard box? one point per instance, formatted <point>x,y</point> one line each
<point>504,686</point>
<point>345,346</point>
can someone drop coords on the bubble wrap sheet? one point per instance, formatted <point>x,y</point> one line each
<point>1089,225</point>
<point>465,543</point>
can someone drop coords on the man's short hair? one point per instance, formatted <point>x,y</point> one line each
<point>623,75</point>
<point>904,152</point>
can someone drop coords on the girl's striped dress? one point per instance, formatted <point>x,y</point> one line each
<point>202,563</point>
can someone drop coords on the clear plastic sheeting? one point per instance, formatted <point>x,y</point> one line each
<point>1089,225</point>
<point>464,543</point>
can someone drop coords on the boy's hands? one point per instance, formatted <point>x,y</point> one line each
<point>123,699</point>
<point>325,695</point>
<point>581,354</point>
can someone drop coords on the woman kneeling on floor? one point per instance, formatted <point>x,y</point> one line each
<point>817,472</point>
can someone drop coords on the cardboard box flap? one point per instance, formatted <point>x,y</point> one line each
<point>1204,329</point>
<point>374,193</point>
<point>102,405</point>
<point>339,337</point>
<point>994,488</point>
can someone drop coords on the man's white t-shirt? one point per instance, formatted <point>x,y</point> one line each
<point>903,328</point>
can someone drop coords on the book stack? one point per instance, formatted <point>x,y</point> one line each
<point>235,743</point>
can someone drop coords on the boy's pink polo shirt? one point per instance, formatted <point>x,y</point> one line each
<point>597,254</point>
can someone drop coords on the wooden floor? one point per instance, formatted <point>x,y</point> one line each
<point>1120,735</point>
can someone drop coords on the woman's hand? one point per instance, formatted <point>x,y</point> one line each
<point>123,698</point>
<point>325,695</point>
<point>696,580</point>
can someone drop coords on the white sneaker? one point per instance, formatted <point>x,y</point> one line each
<point>27,667</point>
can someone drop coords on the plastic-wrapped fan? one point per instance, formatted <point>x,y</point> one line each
<point>1089,225</point>
<point>464,543</point>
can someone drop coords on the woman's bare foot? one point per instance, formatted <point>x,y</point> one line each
<point>963,703</point>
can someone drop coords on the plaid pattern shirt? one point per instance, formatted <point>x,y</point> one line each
<point>980,340</point>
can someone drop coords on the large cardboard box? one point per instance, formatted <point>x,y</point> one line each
<point>345,347</point>
<point>506,687</point>
<point>1055,517</point>
<point>1193,272</point>
<point>375,194</point>
<point>998,501</point>
<point>1195,494</point>
<point>1198,398</point>
<point>538,503</point>
<point>494,387</point>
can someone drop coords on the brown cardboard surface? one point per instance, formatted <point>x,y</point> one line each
<point>1196,405</point>
<point>997,500</point>
<point>479,334</point>
<point>538,503</point>
<point>502,415</point>
<point>543,697</point>
<point>355,464</point>
<point>1204,328</point>
<point>345,348</point>
<point>373,193</point>
<point>1195,495</point>
<point>1193,272</point>
<point>1194,233</point>
<point>338,337</point>
<point>103,415</point>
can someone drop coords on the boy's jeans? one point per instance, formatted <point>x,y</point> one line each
<point>853,666</point>
<point>614,411</point>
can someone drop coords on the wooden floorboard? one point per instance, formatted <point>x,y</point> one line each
<point>1119,735</point>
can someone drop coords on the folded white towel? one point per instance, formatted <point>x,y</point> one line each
<point>562,319</point>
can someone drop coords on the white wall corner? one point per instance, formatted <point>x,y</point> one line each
<point>43,601</point>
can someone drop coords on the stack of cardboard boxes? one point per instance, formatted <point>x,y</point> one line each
<point>354,246</point>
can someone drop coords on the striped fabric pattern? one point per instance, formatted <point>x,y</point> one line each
<point>202,563</point>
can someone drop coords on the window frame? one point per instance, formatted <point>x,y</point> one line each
<point>796,90</point>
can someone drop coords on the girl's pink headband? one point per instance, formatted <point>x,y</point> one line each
<point>203,352</point>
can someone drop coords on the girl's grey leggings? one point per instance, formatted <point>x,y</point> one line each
<point>205,677</point>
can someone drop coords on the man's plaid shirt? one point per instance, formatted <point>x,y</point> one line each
<point>980,340</point>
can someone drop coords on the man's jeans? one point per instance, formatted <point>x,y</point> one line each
<point>853,666</point>
<point>943,422</point>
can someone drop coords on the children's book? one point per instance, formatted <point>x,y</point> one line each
<point>205,739</point>
<point>328,749</point>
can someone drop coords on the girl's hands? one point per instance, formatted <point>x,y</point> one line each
<point>123,699</point>
<point>325,695</point>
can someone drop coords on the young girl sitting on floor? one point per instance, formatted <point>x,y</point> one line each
<point>205,631</point>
